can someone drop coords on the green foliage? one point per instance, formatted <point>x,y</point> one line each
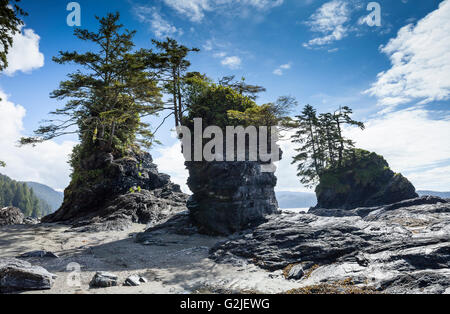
<point>361,166</point>
<point>2,164</point>
<point>18,194</point>
<point>213,102</point>
<point>10,24</point>
<point>322,144</point>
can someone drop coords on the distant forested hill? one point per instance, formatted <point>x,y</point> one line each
<point>46,193</point>
<point>288,200</point>
<point>18,194</point>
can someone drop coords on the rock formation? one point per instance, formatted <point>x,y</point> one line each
<point>365,180</point>
<point>399,248</point>
<point>17,275</point>
<point>230,196</point>
<point>111,193</point>
<point>11,216</point>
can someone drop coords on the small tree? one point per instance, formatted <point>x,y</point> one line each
<point>10,24</point>
<point>2,164</point>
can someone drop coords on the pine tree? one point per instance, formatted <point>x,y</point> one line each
<point>343,117</point>
<point>310,157</point>
<point>107,97</point>
<point>172,65</point>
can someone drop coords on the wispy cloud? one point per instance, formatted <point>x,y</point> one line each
<point>158,25</point>
<point>280,70</point>
<point>330,21</point>
<point>195,10</point>
<point>232,62</point>
<point>420,58</point>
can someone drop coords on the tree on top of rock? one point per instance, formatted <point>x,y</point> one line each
<point>107,96</point>
<point>322,144</point>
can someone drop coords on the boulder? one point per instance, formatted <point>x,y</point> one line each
<point>230,196</point>
<point>17,275</point>
<point>365,180</point>
<point>133,281</point>
<point>399,248</point>
<point>11,216</point>
<point>103,280</point>
<point>111,193</point>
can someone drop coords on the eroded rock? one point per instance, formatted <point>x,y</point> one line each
<point>104,280</point>
<point>17,275</point>
<point>118,192</point>
<point>399,248</point>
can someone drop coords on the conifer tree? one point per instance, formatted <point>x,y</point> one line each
<point>171,64</point>
<point>107,96</point>
<point>322,144</point>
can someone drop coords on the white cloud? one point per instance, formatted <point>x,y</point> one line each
<point>279,71</point>
<point>195,10</point>
<point>420,57</point>
<point>171,162</point>
<point>329,20</point>
<point>159,26</point>
<point>24,55</point>
<point>233,62</point>
<point>46,163</point>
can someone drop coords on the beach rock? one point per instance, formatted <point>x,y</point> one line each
<point>117,192</point>
<point>230,196</point>
<point>296,272</point>
<point>17,275</point>
<point>399,248</point>
<point>365,180</point>
<point>132,281</point>
<point>104,280</point>
<point>11,216</point>
<point>31,221</point>
<point>39,254</point>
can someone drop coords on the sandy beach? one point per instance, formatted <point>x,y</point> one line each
<point>172,263</point>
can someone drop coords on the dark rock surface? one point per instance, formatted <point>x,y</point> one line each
<point>104,280</point>
<point>364,181</point>
<point>39,254</point>
<point>11,216</point>
<point>17,275</point>
<point>399,248</point>
<point>230,196</point>
<point>116,192</point>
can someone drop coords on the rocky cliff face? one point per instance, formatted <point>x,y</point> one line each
<point>111,193</point>
<point>399,248</point>
<point>365,180</point>
<point>230,196</point>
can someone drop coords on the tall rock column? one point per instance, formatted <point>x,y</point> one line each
<point>230,196</point>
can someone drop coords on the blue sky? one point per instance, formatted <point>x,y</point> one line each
<point>395,76</point>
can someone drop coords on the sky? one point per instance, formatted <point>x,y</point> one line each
<point>395,75</point>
